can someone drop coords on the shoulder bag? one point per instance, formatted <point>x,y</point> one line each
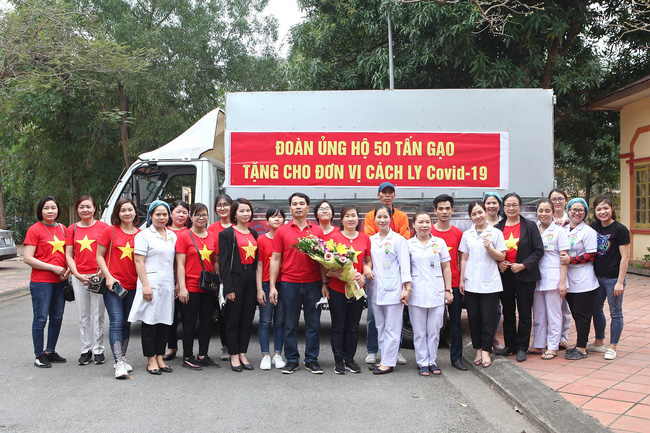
<point>208,281</point>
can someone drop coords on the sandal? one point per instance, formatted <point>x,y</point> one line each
<point>477,362</point>
<point>574,354</point>
<point>548,355</point>
<point>563,345</point>
<point>486,364</point>
<point>534,351</point>
<point>423,371</point>
<point>433,368</point>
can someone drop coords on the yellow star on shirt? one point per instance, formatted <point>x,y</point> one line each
<point>127,251</point>
<point>449,248</point>
<point>250,250</point>
<point>511,242</point>
<point>205,253</point>
<point>86,244</point>
<point>57,245</point>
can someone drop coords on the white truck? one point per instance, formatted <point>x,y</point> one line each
<point>341,145</point>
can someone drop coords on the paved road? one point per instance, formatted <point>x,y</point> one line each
<point>75,398</point>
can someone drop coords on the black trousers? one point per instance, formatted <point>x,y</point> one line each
<point>201,305</point>
<point>173,331</point>
<point>345,324</point>
<point>481,308</point>
<point>154,339</point>
<point>240,313</point>
<point>581,305</point>
<point>517,295</point>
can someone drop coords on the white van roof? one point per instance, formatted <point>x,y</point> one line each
<point>201,137</point>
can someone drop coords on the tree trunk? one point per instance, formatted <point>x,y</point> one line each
<point>124,127</point>
<point>3,218</point>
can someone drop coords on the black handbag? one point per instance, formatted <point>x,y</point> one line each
<point>68,291</point>
<point>208,281</point>
<point>97,283</point>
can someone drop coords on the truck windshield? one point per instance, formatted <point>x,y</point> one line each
<point>151,182</point>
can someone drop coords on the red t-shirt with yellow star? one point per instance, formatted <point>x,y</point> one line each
<point>360,244</point>
<point>120,261</point>
<point>85,245</point>
<point>511,236</point>
<point>50,248</point>
<point>207,248</point>
<point>265,251</point>
<point>247,247</point>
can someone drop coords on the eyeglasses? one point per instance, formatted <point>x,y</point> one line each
<point>324,209</point>
<point>223,206</point>
<point>577,211</point>
<point>510,206</point>
<point>557,200</point>
<point>203,216</point>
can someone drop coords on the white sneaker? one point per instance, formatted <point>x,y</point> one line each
<point>128,366</point>
<point>266,362</point>
<point>610,354</point>
<point>400,359</point>
<point>599,349</point>
<point>224,354</point>
<point>120,370</point>
<point>278,361</point>
<point>371,358</point>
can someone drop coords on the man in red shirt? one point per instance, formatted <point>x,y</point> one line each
<point>303,283</point>
<point>444,209</point>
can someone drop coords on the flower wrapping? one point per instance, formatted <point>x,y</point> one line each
<point>334,256</point>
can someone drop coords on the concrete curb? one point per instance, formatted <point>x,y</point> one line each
<point>535,400</point>
<point>14,294</point>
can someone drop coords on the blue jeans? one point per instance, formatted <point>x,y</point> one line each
<point>371,331</point>
<point>271,313</point>
<point>455,310</point>
<point>119,329</point>
<point>294,297</point>
<point>47,299</point>
<point>606,290</point>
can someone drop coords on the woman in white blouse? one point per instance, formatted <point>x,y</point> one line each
<point>481,247</point>
<point>551,289</point>
<point>154,253</point>
<point>431,290</point>
<point>389,288</point>
<point>581,292</point>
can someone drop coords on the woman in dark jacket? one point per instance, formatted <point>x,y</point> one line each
<point>238,261</point>
<point>519,273</point>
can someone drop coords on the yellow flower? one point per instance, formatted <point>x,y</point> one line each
<point>341,249</point>
<point>330,245</point>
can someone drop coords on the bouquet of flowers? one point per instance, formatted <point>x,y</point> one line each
<point>334,256</point>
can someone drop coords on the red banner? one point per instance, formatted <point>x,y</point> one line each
<point>366,159</point>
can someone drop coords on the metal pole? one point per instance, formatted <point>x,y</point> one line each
<point>390,55</point>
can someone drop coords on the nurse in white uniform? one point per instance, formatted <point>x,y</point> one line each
<point>581,291</point>
<point>431,290</point>
<point>389,287</point>
<point>560,217</point>
<point>551,289</point>
<point>154,253</point>
<point>481,247</point>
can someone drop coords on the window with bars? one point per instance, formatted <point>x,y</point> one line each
<point>642,196</point>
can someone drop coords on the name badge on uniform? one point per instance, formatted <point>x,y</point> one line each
<point>386,263</point>
<point>433,264</point>
<point>549,247</point>
<point>573,253</point>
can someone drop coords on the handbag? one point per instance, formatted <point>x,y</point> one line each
<point>97,283</point>
<point>208,281</point>
<point>68,291</point>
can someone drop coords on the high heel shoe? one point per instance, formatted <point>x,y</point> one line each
<point>237,368</point>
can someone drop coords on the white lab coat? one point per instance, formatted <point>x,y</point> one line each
<point>159,263</point>
<point>427,283</point>
<point>391,265</point>
<point>481,270</point>
<point>555,240</point>
<point>581,277</point>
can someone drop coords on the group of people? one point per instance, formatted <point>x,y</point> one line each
<point>503,265</point>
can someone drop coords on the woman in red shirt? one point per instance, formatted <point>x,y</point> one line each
<point>44,253</point>
<point>324,214</point>
<point>179,222</point>
<point>238,262</point>
<point>196,249</point>
<point>81,256</point>
<point>345,312</point>
<point>222,208</point>
<point>115,259</point>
